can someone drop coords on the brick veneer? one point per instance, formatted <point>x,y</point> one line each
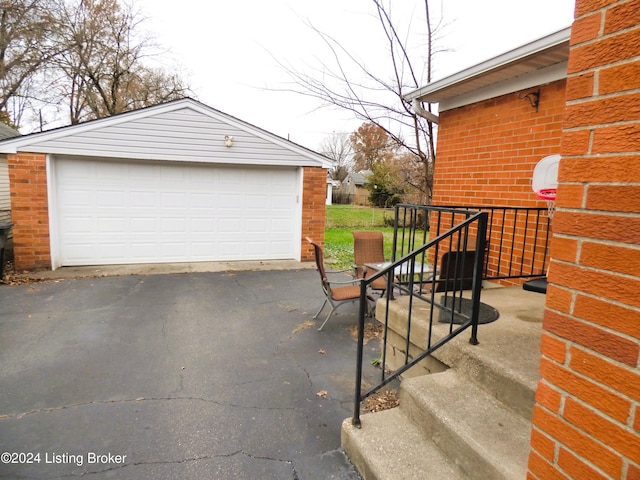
<point>487,150</point>
<point>486,155</point>
<point>29,211</point>
<point>314,198</point>
<point>586,421</point>
<point>30,214</point>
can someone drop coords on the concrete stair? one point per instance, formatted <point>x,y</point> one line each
<point>471,419</point>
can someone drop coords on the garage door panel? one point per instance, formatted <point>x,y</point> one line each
<point>128,212</point>
<point>112,225</point>
<point>114,251</point>
<point>203,225</point>
<point>80,224</point>
<point>140,225</point>
<point>202,200</point>
<point>76,198</point>
<point>148,251</point>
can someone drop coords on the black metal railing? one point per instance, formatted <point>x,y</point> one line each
<point>433,273</point>
<point>517,237</point>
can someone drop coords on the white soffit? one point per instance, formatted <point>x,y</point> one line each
<point>542,61</point>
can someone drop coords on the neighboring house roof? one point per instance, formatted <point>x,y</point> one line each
<point>181,130</point>
<point>542,61</point>
<point>7,132</point>
<point>360,178</point>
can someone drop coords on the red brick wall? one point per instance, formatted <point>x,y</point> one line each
<point>314,196</point>
<point>586,421</point>
<point>29,211</point>
<point>487,150</point>
<point>486,155</point>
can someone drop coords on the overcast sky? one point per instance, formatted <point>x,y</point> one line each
<point>228,50</point>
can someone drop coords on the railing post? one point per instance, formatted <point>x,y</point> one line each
<point>481,241</point>
<point>361,313</point>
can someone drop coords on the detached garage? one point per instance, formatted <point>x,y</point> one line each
<point>177,182</point>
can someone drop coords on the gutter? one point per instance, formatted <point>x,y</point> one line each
<point>417,107</point>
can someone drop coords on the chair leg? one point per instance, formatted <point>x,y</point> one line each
<point>328,317</point>
<point>321,308</point>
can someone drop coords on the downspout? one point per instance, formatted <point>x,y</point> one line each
<point>417,107</point>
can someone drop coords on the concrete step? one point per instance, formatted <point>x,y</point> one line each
<point>468,406</point>
<point>390,447</point>
<point>505,362</point>
<point>482,436</point>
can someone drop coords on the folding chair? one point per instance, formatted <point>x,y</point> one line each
<point>336,293</point>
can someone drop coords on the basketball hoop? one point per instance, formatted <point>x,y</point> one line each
<point>548,195</point>
<point>545,181</point>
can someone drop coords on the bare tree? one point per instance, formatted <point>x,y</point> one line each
<point>338,148</point>
<point>102,61</point>
<point>335,85</point>
<point>85,56</point>
<point>25,48</point>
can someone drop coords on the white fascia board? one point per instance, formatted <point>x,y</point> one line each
<point>539,77</point>
<point>500,61</point>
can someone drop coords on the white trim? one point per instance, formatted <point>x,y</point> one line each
<point>299,208</point>
<point>539,77</point>
<point>503,61</point>
<point>52,212</point>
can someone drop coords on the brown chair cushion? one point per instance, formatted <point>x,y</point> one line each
<point>345,293</point>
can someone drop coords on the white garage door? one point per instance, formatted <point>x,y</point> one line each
<point>114,212</point>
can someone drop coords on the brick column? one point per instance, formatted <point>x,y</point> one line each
<point>314,196</point>
<point>586,421</point>
<point>29,211</point>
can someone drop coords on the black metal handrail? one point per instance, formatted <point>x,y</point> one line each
<point>421,274</point>
<point>517,237</point>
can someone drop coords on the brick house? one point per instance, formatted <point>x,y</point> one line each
<point>586,421</point>
<point>177,182</point>
<point>497,120</point>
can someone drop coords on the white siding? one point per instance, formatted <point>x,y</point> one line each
<point>5,199</point>
<point>186,134</point>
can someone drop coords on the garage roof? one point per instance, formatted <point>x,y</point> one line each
<point>182,130</point>
<point>536,63</point>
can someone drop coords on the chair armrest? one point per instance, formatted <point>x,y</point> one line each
<point>338,271</point>
<point>357,267</point>
<point>346,282</point>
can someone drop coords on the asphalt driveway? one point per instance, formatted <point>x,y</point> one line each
<point>179,376</point>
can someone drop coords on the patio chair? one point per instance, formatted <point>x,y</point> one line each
<point>368,247</point>
<point>336,293</point>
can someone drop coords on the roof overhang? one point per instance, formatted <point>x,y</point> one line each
<point>539,62</point>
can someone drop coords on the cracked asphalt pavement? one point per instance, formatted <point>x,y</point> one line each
<point>178,376</point>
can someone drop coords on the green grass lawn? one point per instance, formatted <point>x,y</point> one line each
<point>342,220</point>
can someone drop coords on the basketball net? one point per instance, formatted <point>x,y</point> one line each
<point>548,195</point>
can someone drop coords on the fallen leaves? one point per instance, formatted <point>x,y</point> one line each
<point>370,332</point>
<point>303,326</point>
<point>380,401</point>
